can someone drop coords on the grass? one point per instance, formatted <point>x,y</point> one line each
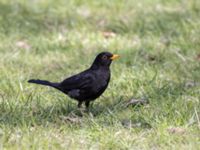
<point>159,46</point>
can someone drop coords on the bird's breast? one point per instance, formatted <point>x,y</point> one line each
<point>101,82</point>
<point>95,88</point>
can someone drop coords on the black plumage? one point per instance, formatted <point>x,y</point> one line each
<point>87,85</point>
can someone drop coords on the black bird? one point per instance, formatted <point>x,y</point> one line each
<point>87,85</point>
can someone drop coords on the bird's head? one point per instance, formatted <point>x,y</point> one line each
<point>104,59</point>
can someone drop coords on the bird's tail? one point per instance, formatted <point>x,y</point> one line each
<point>44,82</point>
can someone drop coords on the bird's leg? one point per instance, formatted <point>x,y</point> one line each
<point>79,104</point>
<point>79,108</point>
<point>87,104</point>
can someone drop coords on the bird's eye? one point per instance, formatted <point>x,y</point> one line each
<point>104,57</point>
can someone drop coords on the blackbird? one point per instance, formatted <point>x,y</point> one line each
<point>87,85</point>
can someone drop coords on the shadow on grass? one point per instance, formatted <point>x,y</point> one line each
<point>33,112</point>
<point>30,109</point>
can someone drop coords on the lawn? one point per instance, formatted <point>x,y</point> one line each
<point>159,45</point>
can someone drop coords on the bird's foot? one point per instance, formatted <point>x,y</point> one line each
<point>80,111</point>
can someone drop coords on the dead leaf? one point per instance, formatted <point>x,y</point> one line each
<point>23,45</point>
<point>108,34</point>
<point>190,84</point>
<point>198,57</point>
<point>72,118</point>
<point>134,102</point>
<point>176,130</point>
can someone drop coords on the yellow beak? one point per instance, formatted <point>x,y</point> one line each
<point>114,57</point>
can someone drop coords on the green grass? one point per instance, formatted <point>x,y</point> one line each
<point>158,41</point>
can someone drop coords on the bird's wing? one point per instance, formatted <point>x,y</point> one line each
<point>79,81</point>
